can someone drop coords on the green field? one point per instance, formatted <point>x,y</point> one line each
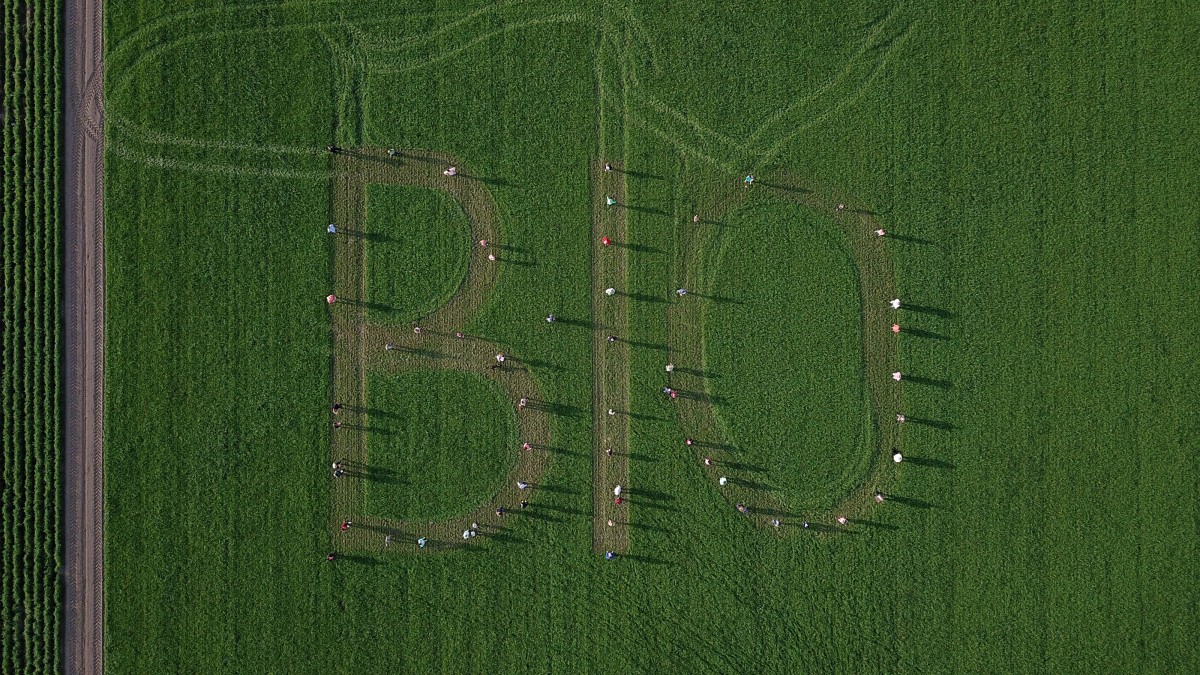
<point>445,441</point>
<point>417,252</point>
<point>1035,169</point>
<point>31,155</point>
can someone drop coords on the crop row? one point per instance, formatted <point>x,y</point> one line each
<point>32,339</point>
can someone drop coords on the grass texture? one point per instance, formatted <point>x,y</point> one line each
<point>785,356</point>
<point>1034,167</point>
<point>446,439</point>
<point>418,251</point>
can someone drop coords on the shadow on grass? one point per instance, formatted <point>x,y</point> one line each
<point>909,501</point>
<point>719,299</point>
<point>505,538</point>
<point>533,514</point>
<point>372,412</point>
<point>917,332</point>
<point>930,463</point>
<point>640,248</point>
<point>928,381</point>
<point>777,513</point>
<point>638,174</point>
<point>742,466</point>
<point>649,560</point>
<point>651,494</point>
<point>558,451</point>
<point>922,309</point>
<point>872,523</point>
<point>382,431</point>
<point>702,397</point>
<point>753,485</point>
<point>560,409</point>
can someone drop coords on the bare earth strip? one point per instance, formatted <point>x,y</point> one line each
<point>359,349</point>
<point>610,363</point>
<point>83,190</point>
<point>877,284</point>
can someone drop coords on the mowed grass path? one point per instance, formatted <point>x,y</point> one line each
<point>1038,166</point>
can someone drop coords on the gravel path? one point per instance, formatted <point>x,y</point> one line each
<point>83,193</point>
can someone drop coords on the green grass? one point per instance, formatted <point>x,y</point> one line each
<point>31,377</point>
<point>442,442</point>
<point>1038,163</point>
<point>783,340</point>
<point>419,245</point>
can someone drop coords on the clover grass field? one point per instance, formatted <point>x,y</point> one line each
<point>1035,169</point>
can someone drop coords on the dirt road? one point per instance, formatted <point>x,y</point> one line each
<point>83,196</point>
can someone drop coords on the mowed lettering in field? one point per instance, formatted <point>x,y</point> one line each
<point>364,346</point>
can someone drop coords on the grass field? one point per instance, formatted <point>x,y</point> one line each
<point>418,252</point>
<point>31,155</point>
<point>1035,170</point>
<point>446,440</point>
